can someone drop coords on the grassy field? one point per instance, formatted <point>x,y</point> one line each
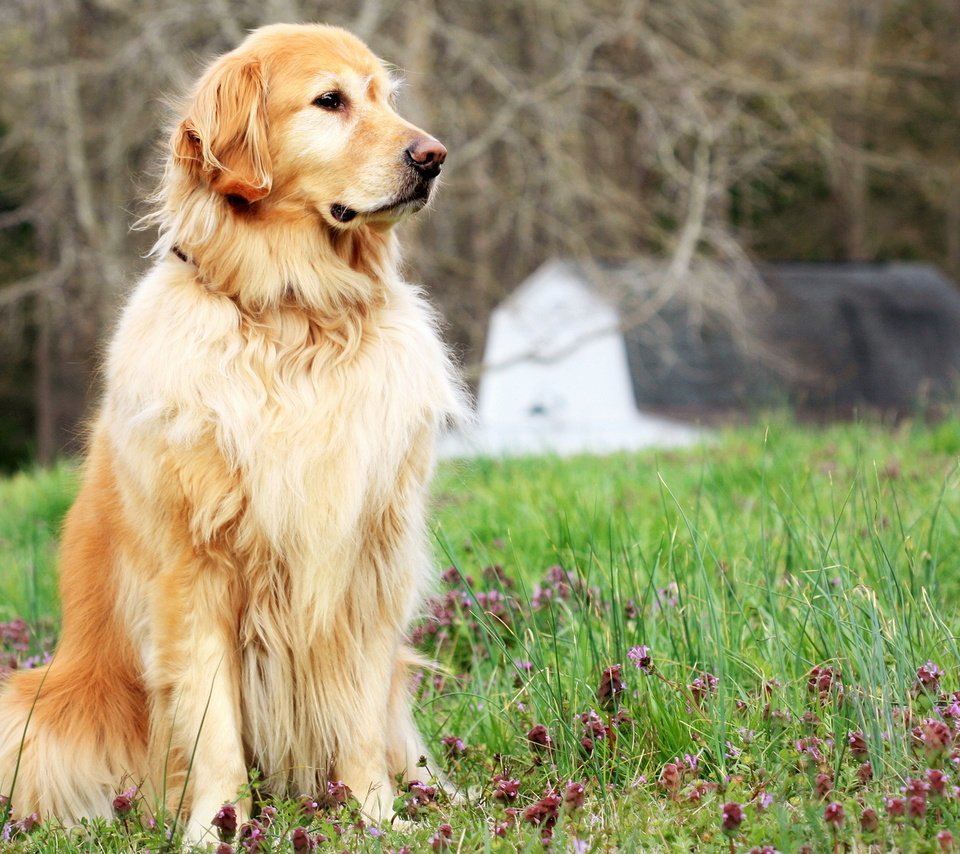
<point>749,646</point>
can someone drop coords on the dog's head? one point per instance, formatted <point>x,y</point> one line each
<point>300,117</point>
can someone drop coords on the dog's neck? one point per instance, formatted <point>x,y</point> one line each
<point>264,258</point>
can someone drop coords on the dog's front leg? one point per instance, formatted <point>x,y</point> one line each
<point>194,674</point>
<point>361,760</point>
<point>407,755</point>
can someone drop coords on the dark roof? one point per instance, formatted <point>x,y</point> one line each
<point>834,335</point>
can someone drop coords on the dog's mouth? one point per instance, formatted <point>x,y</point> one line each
<point>405,204</point>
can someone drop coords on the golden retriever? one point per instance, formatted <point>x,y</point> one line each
<point>249,541</point>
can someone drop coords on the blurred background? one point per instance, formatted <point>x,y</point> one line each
<point>671,152</point>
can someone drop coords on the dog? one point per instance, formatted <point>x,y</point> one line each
<point>249,543</point>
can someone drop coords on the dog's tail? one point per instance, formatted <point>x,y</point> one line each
<point>70,733</point>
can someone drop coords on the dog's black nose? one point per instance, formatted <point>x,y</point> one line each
<point>426,155</point>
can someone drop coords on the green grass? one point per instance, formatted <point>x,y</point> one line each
<point>774,550</point>
<point>32,506</point>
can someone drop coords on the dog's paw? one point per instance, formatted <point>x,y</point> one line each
<point>403,825</point>
<point>208,819</point>
<point>198,837</point>
<point>456,797</point>
<point>453,793</point>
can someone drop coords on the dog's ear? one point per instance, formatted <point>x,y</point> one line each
<point>223,139</point>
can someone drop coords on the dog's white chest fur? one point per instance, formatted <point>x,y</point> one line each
<point>292,409</point>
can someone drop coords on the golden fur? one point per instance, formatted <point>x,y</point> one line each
<point>248,545</point>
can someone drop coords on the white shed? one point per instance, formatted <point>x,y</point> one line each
<point>556,377</point>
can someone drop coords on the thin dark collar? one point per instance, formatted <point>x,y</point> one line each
<point>176,250</point>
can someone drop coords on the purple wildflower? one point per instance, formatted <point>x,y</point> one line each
<point>937,781</point>
<point>858,745</point>
<point>574,794</point>
<point>496,574</point>
<point>896,807</point>
<point>336,795</point>
<point>917,806</point>
<point>539,740</point>
<point>225,821</point>
<point>15,634</point>
<point>440,841</point>
<point>731,817</point>
<point>668,597</point>
<point>704,685</point>
<point>123,803</point>
<point>302,841</point>
<point>308,806</point>
<point>640,656</point>
<point>594,729</point>
<point>823,785</point>
<point>671,777</point>
<point>833,814</point>
<point>934,735</point>
<point>823,680</point>
<point>809,746</point>
<point>928,678</point>
<point>869,820</point>
<point>453,745</point>
<point>611,685</point>
<point>544,812</point>
<point>252,834</point>
<point>505,788</point>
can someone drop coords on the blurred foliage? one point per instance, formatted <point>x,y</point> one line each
<point>684,129</point>
<point>17,259</point>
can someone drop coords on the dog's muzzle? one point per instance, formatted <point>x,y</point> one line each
<point>424,157</point>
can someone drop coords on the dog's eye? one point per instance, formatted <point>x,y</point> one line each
<point>330,101</point>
